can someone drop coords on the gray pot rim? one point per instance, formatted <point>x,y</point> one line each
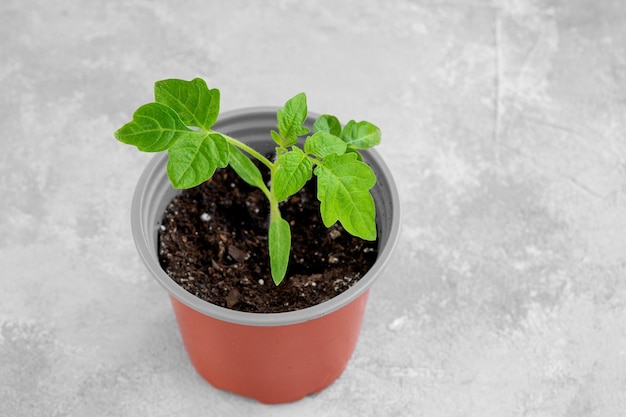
<point>142,228</point>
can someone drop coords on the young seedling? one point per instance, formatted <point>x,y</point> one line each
<point>181,119</point>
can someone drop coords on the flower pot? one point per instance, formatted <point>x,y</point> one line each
<point>271,357</point>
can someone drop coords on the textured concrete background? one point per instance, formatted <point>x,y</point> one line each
<point>504,124</point>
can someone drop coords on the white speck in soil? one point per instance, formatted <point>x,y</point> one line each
<point>261,281</point>
<point>205,217</point>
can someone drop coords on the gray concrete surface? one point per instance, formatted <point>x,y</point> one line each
<point>503,122</point>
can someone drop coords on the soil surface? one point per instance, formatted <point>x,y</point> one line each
<point>213,243</point>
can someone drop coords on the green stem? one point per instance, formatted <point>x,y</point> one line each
<point>249,150</point>
<point>267,191</point>
<point>274,209</point>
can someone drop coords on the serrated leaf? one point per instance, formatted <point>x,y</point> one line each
<point>153,129</point>
<point>279,242</point>
<point>327,123</point>
<point>361,135</point>
<point>322,144</point>
<point>193,101</point>
<point>293,169</point>
<point>343,190</point>
<point>291,119</point>
<point>194,157</point>
<point>244,167</point>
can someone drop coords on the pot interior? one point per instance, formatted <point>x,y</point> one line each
<point>154,192</point>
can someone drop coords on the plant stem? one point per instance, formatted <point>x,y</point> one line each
<point>269,193</point>
<point>249,150</point>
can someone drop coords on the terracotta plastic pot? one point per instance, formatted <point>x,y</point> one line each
<point>273,357</point>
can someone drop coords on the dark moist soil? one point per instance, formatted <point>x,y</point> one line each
<point>213,243</point>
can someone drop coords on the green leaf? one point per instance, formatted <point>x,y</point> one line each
<point>292,170</point>
<point>279,241</point>
<point>192,100</point>
<point>361,135</point>
<point>244,167</point>
<point>153,129</point>
<point>291,119</point>
<point>322,144</point>
<point>327,123</point>
<point>277,138</point>
<point>194,157</point>
<point>343,190</point>
<point>359,157</point>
